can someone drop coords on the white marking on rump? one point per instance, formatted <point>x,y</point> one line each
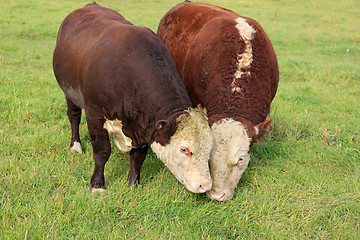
<point>244,59</point>
<point>76,147</point>
<point>114,128</point>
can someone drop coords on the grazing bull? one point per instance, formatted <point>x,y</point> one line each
<point>124,79</point>
<point>229,66</point>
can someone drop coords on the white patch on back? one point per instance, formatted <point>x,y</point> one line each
<point>114,128</point>
<point>244,59</point>
<point>76,147</point>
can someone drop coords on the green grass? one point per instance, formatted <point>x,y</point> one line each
<point>303,182</point>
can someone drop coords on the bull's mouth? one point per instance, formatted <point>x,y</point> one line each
<point>219,197</point>
<point>204,188</point>
<point>201,189</point>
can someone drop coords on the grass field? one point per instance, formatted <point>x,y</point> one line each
<point>303,182</point>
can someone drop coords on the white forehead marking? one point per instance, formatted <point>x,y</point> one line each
<point>114,128</point>
<point>193,132</point>
<point>233,133</point>
<point>232,142</point>
<point>245,58</point>
<point>76,147</point>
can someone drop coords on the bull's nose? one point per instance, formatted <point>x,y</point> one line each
<point>219,197</point>
<point>204,188</point>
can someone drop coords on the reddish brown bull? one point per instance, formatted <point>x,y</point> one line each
<point>124,79</point>
<point>229,66</point>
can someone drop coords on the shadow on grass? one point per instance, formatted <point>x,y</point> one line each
<point>118,168</point>
<point>278,148</point>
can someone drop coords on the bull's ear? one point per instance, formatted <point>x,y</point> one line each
<point>164,130</point>
<point>159,125</point>
<point>202,108</point>
<point>262,129</point>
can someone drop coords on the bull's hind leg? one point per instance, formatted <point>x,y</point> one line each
<point>101,150</point>
<point>74,114</point>
<point>137,157</point>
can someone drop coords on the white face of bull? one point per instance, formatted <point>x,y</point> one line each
<point>229,159</point>
<point>187,155</point>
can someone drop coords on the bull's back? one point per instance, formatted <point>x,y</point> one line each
<point>110,67</point>
<point>179,27</point>
<point>78,38</point>
<point>206,46</point>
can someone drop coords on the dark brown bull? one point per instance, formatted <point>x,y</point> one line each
<point>124,79</point>
<point>229,66</point>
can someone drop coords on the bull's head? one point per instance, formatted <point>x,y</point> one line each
<point>231,154</point>
<point>188,151</point>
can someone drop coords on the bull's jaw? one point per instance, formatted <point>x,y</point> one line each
<point>229,158</point>
<point>190,168</point>
<point>191,172</point>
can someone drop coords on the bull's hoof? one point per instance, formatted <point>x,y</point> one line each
<point>76,148</point>
<point>133,180</point>
<point>98,191</point>
<point>219,197</point>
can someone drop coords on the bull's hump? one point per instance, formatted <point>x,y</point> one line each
<point>90,17</point>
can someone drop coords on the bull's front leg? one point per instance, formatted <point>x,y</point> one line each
<point>137,157</point>
<point>101,150</point>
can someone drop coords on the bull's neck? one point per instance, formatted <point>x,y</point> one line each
<point>169,116</point>
<point>215,115</point>
<point>173,115</point>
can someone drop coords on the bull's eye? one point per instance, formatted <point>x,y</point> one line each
<point>241,159</point>
<point>186,151</point>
